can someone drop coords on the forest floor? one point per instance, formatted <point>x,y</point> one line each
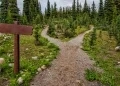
<point>69,67</point>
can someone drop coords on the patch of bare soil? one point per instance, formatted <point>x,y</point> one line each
<point>69,67</point>
<point>3,82</point>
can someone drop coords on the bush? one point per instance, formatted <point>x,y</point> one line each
<point>51,30</point>
<point>37,34</point>
<point>86,42</point>
<point>91,75</point>
<point>2,50</point>
<point>80,30</point>
<point>43,41</point>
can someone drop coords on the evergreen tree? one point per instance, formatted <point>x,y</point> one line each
<point>45,12</point>
<point>118,29</point>
<point>114,12</point>
<point>37,19</point>
<point>14,9</point>
<point>31,11</point>
<point>89,11</point>
<point>40,11</point>
<point>52,11</point>
<point>114,17</point>
<point>93,13</point>
<point>101,11</point>
<point>4,10</point>
<point>0,15</point>
<point>85,9</point>
<point>48,9</point>
<point>70,11</point>
<point>74,10</point>
<point>55,10</point>
<point>37,34</point>
<point>24,19</point>
<point>93,38</point>
<point>117,3</point>
<point>26,5</point>
<point>37,7</point>
<point>63,12</point>
<point>60,12</point>
<point>78,8</point>
<point>108,10</point>
<point>9,18</point>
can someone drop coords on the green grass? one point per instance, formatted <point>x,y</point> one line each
<point>91,75</point>
<point>46,52</point>
<point>105,56</point>
<point>80,30</point>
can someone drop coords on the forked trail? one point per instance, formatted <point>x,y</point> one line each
<point>69,67</point>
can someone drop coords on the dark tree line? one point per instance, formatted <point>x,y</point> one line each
<point>10,12</point>
<point>106,16</point>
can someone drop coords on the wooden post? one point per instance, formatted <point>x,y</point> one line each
<point>16,52</point>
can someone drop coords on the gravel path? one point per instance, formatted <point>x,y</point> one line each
<point>69,67</point>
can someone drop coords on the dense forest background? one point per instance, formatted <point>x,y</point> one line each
<point>67,20</point>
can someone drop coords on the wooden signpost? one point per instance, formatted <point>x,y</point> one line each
<point>17,30</point>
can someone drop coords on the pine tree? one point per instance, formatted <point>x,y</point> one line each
<point>52,11</point>
<point>0,14</point>
<point>93,38</point>
<point>41,15</point>
<point>78,8</point>
<point>31,11</point>
<point>74,10</point>
<point>45,12</point>
<point>108,10</point>
<point>93,13</point>
<point>113,24</point>
<point>9,18</point>
<point>48,9</point>
<point>60,12</point>
<point>118,29</point>
<point>70,11</point>
<point>37,19</point>
<point>63,12</point>
<point>117,3</point>
<point>89,11</point>
<point>36,5</point>
<point>4,10</point>
<point>26,5</point>
<point>24,19</point>
<point>55,10</point>
<point>85,9</point>
<point>67,12</point>
<point>101,11</point>
<point>37,34</point>
<point>40,10</point>
<point>114,12</point>
<point>14,9</point>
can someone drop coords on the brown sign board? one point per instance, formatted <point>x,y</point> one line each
<point>16,29</point>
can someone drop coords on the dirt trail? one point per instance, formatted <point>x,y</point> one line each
<point>69,67</point>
